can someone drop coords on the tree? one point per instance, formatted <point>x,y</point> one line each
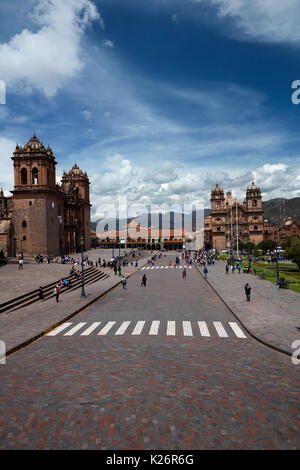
<point>293,253</point>
<point>266,245</point>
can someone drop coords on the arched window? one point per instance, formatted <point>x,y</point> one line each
<point>254,203</point>
<point>35,176</point>
<point>23,176</point>
<point>218,229</point>
<point>255,227</point>
<point>217,205</point>
<point>24,224</point>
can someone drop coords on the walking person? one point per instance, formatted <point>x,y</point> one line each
<point>184,273</point>
<point>21,263</point>
<point>227,268</point>
<point>144,280</point>
<point>56,292</point>
<point>247,291</point>
<point>124,282</point>
<point>205,271</point>
<point>239,268</point>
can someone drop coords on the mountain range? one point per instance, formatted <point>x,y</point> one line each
<point>276,211</point>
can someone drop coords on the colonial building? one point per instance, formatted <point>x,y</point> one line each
<point>43,217</point>
<point>290,230</point>
<point>133,235</point>
<point>230,220</point>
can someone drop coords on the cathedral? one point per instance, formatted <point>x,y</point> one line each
<point>229,220</point>
<point>43,217</point>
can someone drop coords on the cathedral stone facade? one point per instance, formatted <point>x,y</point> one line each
<point>228,218</point>
<point>42,217</point>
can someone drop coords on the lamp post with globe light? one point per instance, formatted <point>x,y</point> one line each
<point>82,269</point>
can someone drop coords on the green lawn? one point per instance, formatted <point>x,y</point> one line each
<point>290,272</point>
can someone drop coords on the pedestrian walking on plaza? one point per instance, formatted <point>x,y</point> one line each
<point>20,263</point>
<point>239,268</point>
<point>56,292</point>
<point>144,280</point>
<point>247,291</point>
<point>205,271</point>
<point>124,282</point>
<point>184,273</point>
<point>227,268</point>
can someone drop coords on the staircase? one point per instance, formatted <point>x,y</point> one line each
<point>91,275</point>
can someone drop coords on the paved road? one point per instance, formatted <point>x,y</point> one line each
<point>164,366</point>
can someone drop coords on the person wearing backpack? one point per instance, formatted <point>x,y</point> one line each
<point>124,282</point>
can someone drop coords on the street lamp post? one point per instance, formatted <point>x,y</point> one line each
<point>249,258</point>
<point>277,266</point>
<point>82,269</point>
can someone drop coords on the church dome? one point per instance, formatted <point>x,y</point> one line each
<point>76,170</point>
<point>217,189</point>
<point>253,186</point>
<point>34,144</point>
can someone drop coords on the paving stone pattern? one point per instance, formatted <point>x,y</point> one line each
<point>272,315</point>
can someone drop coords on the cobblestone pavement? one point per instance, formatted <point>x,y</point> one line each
<point>125,391</point>
<point>272,315</point>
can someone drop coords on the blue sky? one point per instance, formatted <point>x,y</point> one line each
<point>156,99</point>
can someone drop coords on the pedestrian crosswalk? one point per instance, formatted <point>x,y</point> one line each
<point>152,328</point>
<point>166,267</point>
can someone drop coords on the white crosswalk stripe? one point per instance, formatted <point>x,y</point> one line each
<point>59,329</point>
<point>187,328</point>
<point>107,327</point>
<point>220,329</point>
<point>237,330</point>
<point>154,328</point>
<point>76,328</point>
<point>138,328</point>
<point>91,328</point>
<point>171,331</point>
<point>123,328</point>
<point>203,328</point>
<point>173,328</point>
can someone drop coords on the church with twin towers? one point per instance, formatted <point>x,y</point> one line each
<point>41,216</point>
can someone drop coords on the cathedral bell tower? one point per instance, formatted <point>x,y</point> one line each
<point>34,167</point>
<point>218,218</point>
<point>37,201</point>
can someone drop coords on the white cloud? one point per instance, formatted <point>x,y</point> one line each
<point>46,59</point>
<point>169,184</point>
<point>7,147</point>
<point>87,115</point>
<point>263,20</point>
<point>175,18</point>
<point>108,43</point>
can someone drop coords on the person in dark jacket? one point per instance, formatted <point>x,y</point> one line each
<point>144,280</point>
<point>41,294</point>
<point>247,291</point>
